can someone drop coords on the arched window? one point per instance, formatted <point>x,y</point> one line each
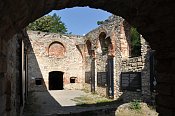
<point>103,45</point>
<point>88,47</point>
<point>57,49</point>
<point>135,43</point>
<point>109,46</point>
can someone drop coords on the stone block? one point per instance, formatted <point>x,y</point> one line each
<point>164,89</point>
<point>3,64</point>
<point>166,101</point>
<point>163,111</point>
<point>139,59</point>
<point>133,64</point>
<point>2,84</point>
<point>139,64</point>
<point>2,105</point>
<point>164,78</point>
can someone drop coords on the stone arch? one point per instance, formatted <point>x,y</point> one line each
<point>80,50</point>
<point>110,46</point>
<point>154,19</point>
<point>136,13</point>
<point>101,43</point>
<point>125,39</point>
<point>56,49</point>
<point>88,47</point>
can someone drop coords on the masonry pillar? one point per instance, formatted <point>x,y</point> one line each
<point>93,73</point>
<point>145,73</point>
<point>165,76</point>
<point>3,68</point>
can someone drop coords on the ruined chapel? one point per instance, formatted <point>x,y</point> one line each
<point>99,62</point>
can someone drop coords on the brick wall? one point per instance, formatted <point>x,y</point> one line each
<point>10,75</point>
<point>139,64</point>
<point>54,52</point>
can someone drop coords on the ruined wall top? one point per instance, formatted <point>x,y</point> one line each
<point>76,38</point>
<point>109,27</point>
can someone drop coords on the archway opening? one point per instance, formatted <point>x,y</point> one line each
<point>56,80</point>
<point>88,48</point>
<point>104,47</point>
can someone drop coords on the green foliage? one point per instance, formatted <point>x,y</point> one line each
<point>135,43</point>
<point>100,22</point>
<point>48,23</point>
<point>135,105</point>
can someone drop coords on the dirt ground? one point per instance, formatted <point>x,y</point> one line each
<point>79,103</point>
<point>124,110</point>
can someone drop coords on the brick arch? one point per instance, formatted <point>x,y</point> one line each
<point>88,47</point>
<point>101,45</point>
<point>56,49</point>
<point>102,33</point>
<point>138,13</point>
<point>125,39</point>
<point>110,44</point>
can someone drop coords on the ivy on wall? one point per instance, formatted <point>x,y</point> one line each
<point>135,43</point>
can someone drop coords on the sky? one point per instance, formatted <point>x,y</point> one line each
<point>81,20</point>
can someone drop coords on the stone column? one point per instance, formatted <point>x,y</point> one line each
<point>165,77</point>
<point>115,79</point>
<point>3,68</point>
<point>93,73</point>
<point>145,73</point>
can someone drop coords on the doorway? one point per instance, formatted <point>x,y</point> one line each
<point>110,78</point>
<point>55,80</point>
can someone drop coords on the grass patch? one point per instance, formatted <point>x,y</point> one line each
<point>86,90</point>
<point>104,100</point>
<point>135,108</point>
<point>91,100</point>
<point>135,105</point>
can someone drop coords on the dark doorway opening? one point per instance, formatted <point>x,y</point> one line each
<point>56,80</point>
<point>110,77</point>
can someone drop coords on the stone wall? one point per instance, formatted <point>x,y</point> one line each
<point>117,31</point>
<point>139,64</point>
<point>54,52</point>
<point>12,96</point>
<point>43,57</point>
<point>153,19</point>
<point>75,55</point>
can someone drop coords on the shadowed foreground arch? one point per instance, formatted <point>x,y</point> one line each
<point>154,19</point>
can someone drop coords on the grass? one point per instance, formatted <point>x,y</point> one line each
<point>136,108</point>
<point>91,100</point>
<point>85,90</point>
<point>135,105</point>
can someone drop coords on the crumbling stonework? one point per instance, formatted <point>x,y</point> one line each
<point>12,88</point>
<point>153,19</point>
<point>108,32</point>
<point>93,62</point>
<point>54,52</point>
<point>139,64</point>
<point>118,31</point>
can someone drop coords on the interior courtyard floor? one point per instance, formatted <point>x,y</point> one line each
<point>60,102</point>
